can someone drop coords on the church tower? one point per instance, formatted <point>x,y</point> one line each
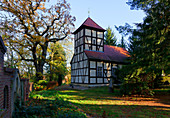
<point>93,62</point>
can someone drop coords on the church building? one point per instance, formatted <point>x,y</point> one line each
<point>93,62</point>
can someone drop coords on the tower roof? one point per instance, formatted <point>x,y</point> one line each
<point>90,24</point>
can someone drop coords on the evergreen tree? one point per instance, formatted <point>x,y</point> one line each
<point>110,38</point>
<point>122,43</point>
<point>149,46</point>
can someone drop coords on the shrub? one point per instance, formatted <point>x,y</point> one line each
<point>52,84</point>
<point>139,88</point>
<point>42,108</point>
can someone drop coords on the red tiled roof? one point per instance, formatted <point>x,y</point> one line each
<point>111,53</point>
<point>90,23</point>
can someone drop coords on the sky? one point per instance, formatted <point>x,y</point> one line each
<point>105,13</point>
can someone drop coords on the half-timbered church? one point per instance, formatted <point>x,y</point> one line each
<point>93,62</point>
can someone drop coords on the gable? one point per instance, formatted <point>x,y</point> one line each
<point>89,23</point>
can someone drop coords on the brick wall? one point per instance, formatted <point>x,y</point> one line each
<point>9,78</point>
<point>25,89</point>
<point>1,63</point>
<point>5,81</point>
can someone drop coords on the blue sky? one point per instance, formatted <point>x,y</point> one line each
<point>105,13</point>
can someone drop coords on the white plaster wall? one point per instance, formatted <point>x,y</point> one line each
<point>94,48</point>
<point>86,63</point>
<point>92,64</point>
<point>78,57</point>
<point>82,71</point>
<point>80,63</point>
<point>86,46</point>
<point>80,79</point>
<point>105,81</point>
<point>75,65</point>
<point>114,66</point>
<point>76,79</point>
<point>99,80</point>
<point>86,79</point>
<point>85,57</point>
<point>82,32</point>
<point>98,41</point>
<point>92,80</point>
<point>105,71</point>
<point>108,73</point>
<point>101,49</point>
<point>87,71</point>
<point>72,79</point>
<point>100,34</point>
<point>88,32</point>
<point>81,48</point>
<point>94,33</point>
<point>92,72</point>
<point>99,64</point>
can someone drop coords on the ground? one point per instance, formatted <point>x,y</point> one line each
<point>98,102</point>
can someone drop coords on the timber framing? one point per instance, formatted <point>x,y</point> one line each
<point>92,62</point>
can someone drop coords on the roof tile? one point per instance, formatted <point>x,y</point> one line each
<point>111,53</point>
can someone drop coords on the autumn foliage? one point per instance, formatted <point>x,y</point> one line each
<point>29,26</point>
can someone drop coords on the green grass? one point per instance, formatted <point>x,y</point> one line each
<point>99,102</point>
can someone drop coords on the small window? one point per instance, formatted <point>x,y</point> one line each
<point>5,104</point>
<point>99,71</point>
<point>94,41</point>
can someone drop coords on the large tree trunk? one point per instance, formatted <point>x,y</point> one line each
<point>111,88</point>
<point>39,72</point>
<point>60,79</point>
<point>111,82</point>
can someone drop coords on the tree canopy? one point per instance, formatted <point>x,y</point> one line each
<point>28,27</point>
<point>150,44</point>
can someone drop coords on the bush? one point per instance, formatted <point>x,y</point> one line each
<point>42,108</point>
<point>42,82</point>
<point>139,88</point>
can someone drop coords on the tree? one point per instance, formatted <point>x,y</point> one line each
<point>29,26</point>
<point>56,66</point>
<point>150,44</point>
<point>122,43</point>
<point>110,38</point>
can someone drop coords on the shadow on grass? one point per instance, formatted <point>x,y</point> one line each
<point>98,102</point>
<point>135,111</point>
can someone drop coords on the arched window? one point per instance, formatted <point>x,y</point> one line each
<point>6,97</point>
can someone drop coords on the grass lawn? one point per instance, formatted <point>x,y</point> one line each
<point>98,102</point>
